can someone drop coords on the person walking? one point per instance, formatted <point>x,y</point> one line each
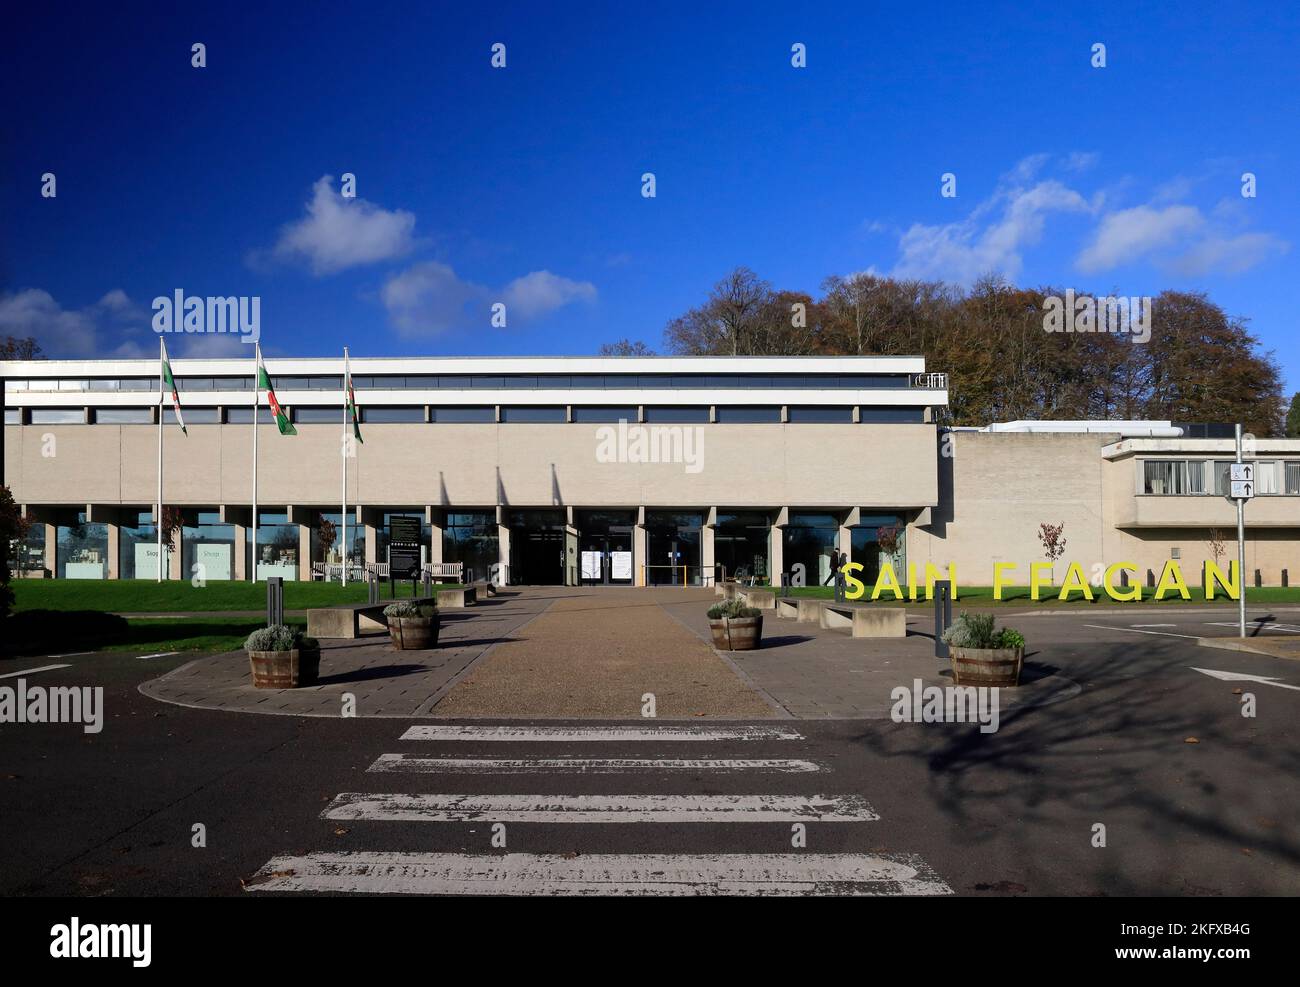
<point>838,561</point>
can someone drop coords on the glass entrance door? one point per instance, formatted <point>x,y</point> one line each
<point>606,560</point>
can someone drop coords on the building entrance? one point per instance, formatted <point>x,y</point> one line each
<point>536,548</point>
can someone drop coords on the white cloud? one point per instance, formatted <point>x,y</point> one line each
<point>964,250</point>
<point>112,326</point>
<point>541,292</point>
<point>1177,238</point>
<point>339,233</point>
<point>430,297</point>
<point>1130,234</point>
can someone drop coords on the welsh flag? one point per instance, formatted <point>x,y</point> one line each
<point>264,382</point>
<point>350,398</point>
<point>170,382</point>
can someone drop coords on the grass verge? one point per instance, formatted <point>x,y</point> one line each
<point>178,596</point>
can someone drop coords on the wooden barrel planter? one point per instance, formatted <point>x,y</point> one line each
<point>413,633</point>
<point>284,669</point>
<point>987,666</point>
<point>736,633</point>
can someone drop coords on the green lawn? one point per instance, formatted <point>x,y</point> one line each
<point>210,634</point>
<point>982,596</point>
<point>149,596</point>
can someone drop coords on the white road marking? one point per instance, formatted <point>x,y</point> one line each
<point>1155,625</point>
<point>667,874</point>
<point>1280,628</point>
<point>33,671</point>
<point>581,765</point>
<point>1214,673</point>
<point>160,654</point>
<point>1134,630</point>
<point>598,808</point>
<point>597,734</point>
<point>71,654</point>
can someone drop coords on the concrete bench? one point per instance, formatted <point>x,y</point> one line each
<point>350,620</point>
<point>759,599</point>
<point>864,621</point>
<point>454,599</point>
<point>787,607</point>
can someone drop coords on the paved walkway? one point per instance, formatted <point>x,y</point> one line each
<point>382,681</point>
<point>570,652</point>
<point>597,652</point>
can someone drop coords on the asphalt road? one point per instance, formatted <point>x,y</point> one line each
<point>1010,812</point>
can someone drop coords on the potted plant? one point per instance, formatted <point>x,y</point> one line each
<point>981,655</point>
<point>282,657</point>
<point>412,626</point>
<point>735,627</point>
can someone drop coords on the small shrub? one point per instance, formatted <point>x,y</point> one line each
<point>970,630</point>
<point>278,637</point>
<point>1009,638</point>
<point>732,608</point>
<point>409,608</point>
<point>308,643</point>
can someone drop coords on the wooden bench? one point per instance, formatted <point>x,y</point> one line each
<point>454,571</point>
<point>863,621</point>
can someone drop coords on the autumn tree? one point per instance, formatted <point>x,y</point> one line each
<point>626,347</point>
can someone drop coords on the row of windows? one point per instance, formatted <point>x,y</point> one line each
<point>453,414</point>
<point>1180,477</point>
<point>475,381</point>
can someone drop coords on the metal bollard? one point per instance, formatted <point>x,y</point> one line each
<point>428,584</point>
<point>274,600</point>
<point>942,616</point>
<point>372,584</point>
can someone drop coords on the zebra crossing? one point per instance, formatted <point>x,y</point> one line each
<point>499,872</point>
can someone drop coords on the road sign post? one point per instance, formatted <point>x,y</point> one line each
<point>1243,474</point>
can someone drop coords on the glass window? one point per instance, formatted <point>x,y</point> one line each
<point>124,416</point>
<point>605,414</point>
<point>669,414</point>
<point>74,385</point>
<point>15,385</point>
<point>531,415</point>
<point>464,415</point>
<point>82,550</point>
<point>13,416</point>
<point>1164,477</point>
<point>137,548</point>
<point>747,415</point>
<point>808,541</point>
<point>208,548</point>
<point>392,415</point>
<point>890,416</point>
<point>879,539</point>
<point>57,416</point>
<point>1293,477</point>
<point>276,550</point>
<point>318,416</point>
<point>193,416</point>
<point>1266,477</point>
<point>28,552</point>
<point>741,545</point>
<point>194,384</point>
<point>817,415</point>
<point>356,539</point>
<point>471,538</point>
<point>138,384</point>
<point>244,416</point>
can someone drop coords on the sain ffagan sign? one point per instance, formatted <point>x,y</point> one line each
<point>1106,578</point>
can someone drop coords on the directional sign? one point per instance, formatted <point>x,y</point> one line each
<point>1243,489</point>
<point>1241,471</point>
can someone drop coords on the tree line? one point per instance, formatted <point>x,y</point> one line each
<point>1199,364</point>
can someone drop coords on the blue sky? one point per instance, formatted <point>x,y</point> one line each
<point>523,184</point>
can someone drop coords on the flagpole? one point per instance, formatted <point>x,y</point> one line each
<point>162,359</point>
<point>257,400</point>
<point>343,545</point>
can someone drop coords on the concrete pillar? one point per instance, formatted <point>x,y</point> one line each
<point>436,524</point>
<point>503,553</point>
<point>114,556</point>
<point>776,555</point>
<point>706,555</point>
<point>239,569</point>
<point>52,549</point>
<point>371,542</point>
<point>640,553</point>
<point>304,550</point>
<point>174,555</point>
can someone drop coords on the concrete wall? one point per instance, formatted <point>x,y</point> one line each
<point>519,465</point>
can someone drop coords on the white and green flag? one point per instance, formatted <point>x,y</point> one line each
<point>281,416</point>
<point>170,383</point>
